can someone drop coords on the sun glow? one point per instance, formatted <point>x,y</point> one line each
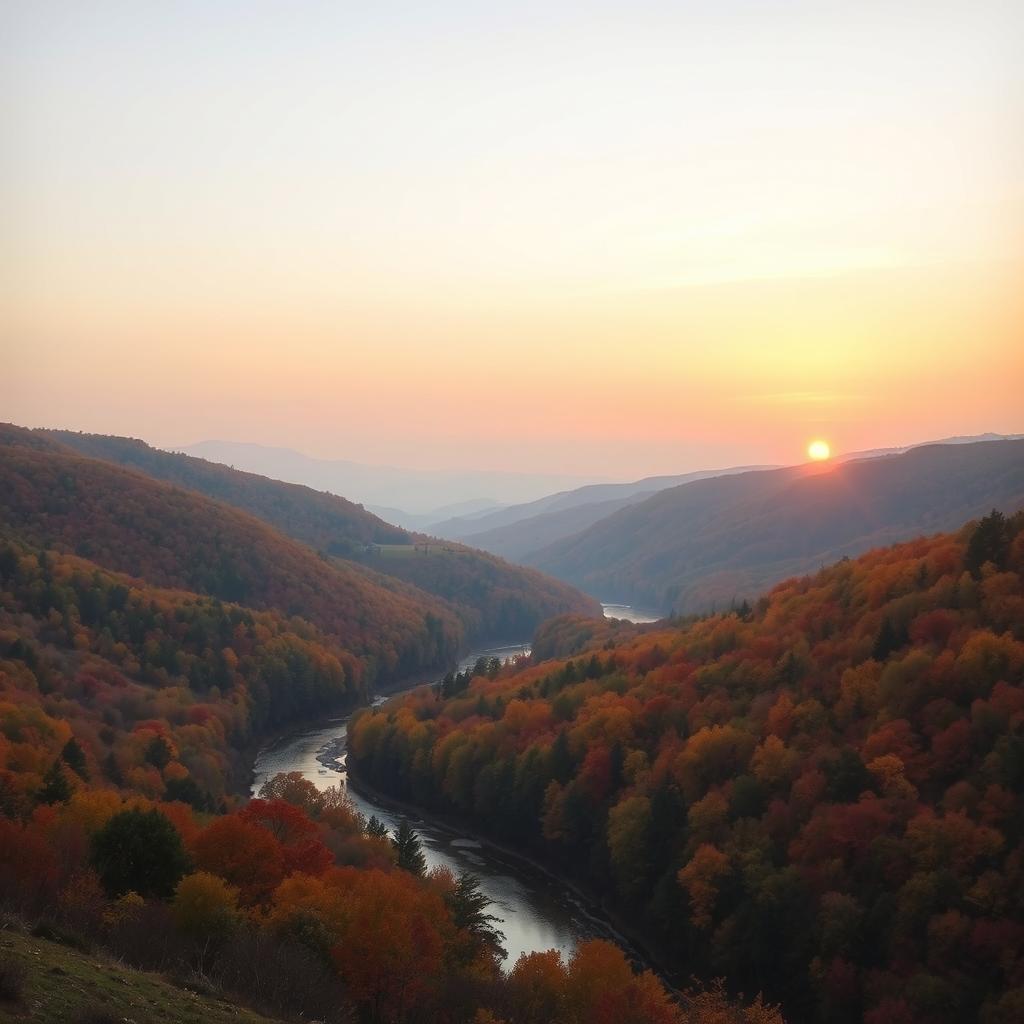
<point>818,450</point>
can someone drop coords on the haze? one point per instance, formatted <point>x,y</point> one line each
<point>603,240</point>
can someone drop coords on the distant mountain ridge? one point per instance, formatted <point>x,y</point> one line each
<point>425,521</point>
<point>713,541</point>
<point>410,490</point>
<point>516,531</point>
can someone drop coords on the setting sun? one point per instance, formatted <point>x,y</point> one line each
<point>818,450</point>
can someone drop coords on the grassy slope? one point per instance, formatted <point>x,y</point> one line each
<point>62,985</point>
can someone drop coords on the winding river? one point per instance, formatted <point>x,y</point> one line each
<point>537,911</point>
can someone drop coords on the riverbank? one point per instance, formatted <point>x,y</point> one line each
<point>587,900</point>
<point>243,781</point>
<point>540,907</point>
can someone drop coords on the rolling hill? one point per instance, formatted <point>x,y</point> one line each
<point>713,541</point>
<point>170,537</point>
<point>516,530</point>
<point>493,599</point>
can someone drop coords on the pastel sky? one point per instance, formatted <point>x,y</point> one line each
<point>606,238</point>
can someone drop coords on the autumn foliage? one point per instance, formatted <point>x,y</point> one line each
<point>129,713</point>
<point>173,538</point>
<point>491,598</point>
<point>819,797</point>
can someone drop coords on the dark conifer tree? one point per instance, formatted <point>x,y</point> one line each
<point>410,851</point>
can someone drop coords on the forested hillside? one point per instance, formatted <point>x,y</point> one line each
<point>709,543</point>
<point>821,796</point>
<point>171,537</point>
<point>493,599</point>
<point>125,714</point>
<point>163,690</point>
<point>324,521</point>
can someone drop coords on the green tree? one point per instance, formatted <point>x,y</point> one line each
<point>989,542</point>
<point>889,639</point>
<point>112,769</point>
<point>188,792</point>
<point>410,852</point>
<point>376,827</point>
<point>139,851</point>
<point>56,788</point>
<point>74,757</point>
<point>468,907</point>
<point>847,776</point>
<point>158,753</point>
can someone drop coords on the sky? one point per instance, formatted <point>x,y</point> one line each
<point>601,239</point>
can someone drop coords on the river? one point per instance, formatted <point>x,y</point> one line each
<point>537,911</point>
<point>629,613</point>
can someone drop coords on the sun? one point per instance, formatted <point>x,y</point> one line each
<point>818,450</point>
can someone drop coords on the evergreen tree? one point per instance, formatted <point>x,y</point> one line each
<point>56,788</point>
<point>112,769</point>
<point>990,542</point>
<point>409,848</point>
<point>139,851</point>
<point>376,827</point>
<point>561,761</point>
<point>847,776</point>
<point>158,753</point>
<point>74,757</point>
<point>468,907</point>
<point>889,639</point>
<point>187,792</point>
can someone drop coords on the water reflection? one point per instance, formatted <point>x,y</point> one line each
<point>629,613</point>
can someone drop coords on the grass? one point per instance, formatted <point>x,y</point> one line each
<point>60,985</point>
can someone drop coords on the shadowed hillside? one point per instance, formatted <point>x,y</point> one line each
<point>714,541</point>
<point>517,530</point>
